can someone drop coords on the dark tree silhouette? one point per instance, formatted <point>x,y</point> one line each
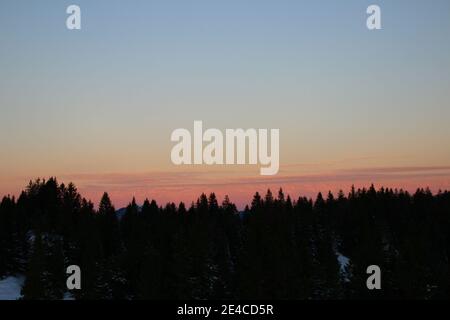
<point>275,249</point>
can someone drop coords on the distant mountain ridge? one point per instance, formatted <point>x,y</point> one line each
<point>121,212</point>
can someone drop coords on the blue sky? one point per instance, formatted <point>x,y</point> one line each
<point>106,98</point>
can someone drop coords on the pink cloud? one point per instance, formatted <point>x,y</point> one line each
<point>187,186</point>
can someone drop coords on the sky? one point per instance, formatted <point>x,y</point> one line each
<point>97,106</point>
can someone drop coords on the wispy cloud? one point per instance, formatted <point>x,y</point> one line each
<point>187,185</point>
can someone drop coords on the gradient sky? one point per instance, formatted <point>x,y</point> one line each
<point>97,106</point>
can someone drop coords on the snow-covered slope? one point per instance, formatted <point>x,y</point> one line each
<point>10,287</point>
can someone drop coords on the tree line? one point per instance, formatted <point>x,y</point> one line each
<point>277,248</point>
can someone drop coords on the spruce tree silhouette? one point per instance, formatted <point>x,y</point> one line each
<point>276,249</point>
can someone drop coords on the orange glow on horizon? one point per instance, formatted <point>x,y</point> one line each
<point>239,186</point>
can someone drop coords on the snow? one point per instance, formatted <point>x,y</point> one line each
<point>68,296</point>
<point>10,287</point>
<point>343,261</point>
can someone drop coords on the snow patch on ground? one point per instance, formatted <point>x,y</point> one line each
<point>343,261</point>
<point>68,296</point>
<point>343,264</point>
<point>10,287</point>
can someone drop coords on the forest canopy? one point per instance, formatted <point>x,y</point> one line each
<point>277,248</point>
